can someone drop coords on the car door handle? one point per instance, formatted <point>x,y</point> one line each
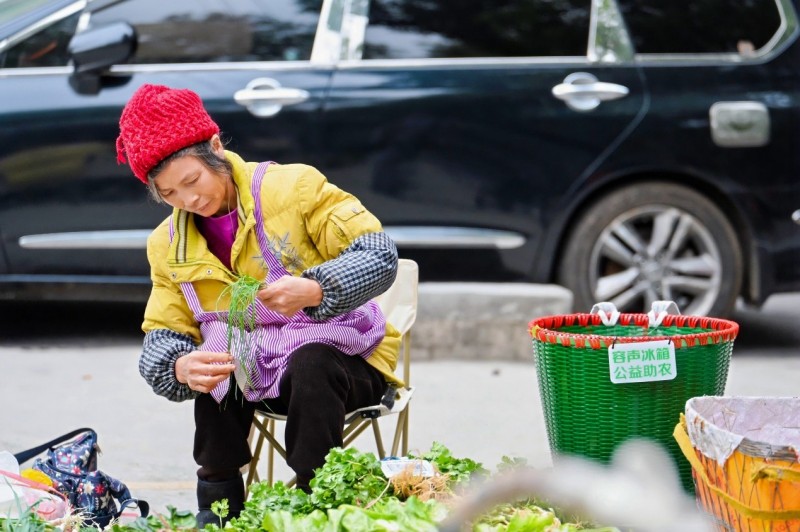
<point>582,91</point>
<point>265,97</point>
<point>601,90</point>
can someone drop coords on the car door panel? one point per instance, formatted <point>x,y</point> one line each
<point>478,146</point>
<point>66,179</point>
<point>69,210</point>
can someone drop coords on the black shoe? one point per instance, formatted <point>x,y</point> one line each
<point>211,492</point>
<point>302,483</point>
<point>207,517</point>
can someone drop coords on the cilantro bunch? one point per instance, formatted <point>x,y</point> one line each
<point>349,476</point>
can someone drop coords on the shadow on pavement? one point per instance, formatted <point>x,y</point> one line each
<point>70,323</point>
<point>768,328</point>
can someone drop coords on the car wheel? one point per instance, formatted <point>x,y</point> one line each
<point>653,241</point>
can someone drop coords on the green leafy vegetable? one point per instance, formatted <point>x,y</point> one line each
<point>175,519</point>
<point>220,509</point>
<point>348,477</point>
<point>266,499</point>
<point>507,463</point>
<point>459,469</point>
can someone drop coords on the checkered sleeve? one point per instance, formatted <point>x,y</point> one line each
<point>364,270</point>
<point>160,350</point>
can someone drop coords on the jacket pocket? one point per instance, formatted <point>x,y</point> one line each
<point>347,211</point>
<point>346,221</point>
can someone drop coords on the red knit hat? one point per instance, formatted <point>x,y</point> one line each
<point>158,121</point>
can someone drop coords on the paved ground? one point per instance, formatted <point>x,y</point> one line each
<point>483,410</point>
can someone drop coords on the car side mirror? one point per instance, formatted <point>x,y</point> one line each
<point>94,51</point>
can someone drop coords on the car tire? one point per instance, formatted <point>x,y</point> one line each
<point>653,241</point>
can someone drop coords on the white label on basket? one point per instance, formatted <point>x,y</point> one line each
<point>642,361</point>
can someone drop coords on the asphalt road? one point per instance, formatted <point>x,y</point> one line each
<point>63,366</point>
<point>773,330</point>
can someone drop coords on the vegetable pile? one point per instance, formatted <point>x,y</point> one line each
<point>351,493</point>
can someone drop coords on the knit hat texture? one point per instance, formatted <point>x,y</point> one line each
<point>158,121</point>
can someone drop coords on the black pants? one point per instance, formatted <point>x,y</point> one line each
<point>320,386</point>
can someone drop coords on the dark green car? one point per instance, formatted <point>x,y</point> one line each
<point>622,148</point>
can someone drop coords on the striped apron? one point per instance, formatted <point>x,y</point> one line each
<point>275,337</point>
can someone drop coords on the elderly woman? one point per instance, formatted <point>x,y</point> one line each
<point>319,348</point>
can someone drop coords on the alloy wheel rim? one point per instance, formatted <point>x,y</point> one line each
<point>654,253</point>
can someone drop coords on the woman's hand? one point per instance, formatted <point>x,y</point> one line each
<point>202,370</point>
<point>289,295</point>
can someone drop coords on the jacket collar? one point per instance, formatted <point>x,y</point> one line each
<point>187,245</point>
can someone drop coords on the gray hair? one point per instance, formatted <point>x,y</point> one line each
<point>203,151</point>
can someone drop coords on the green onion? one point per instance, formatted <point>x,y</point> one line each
<point>241,320</point>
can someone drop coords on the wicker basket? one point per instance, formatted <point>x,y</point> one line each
<point>748,482</point>
<point>589,415</point>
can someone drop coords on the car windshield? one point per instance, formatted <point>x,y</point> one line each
<point>11,9</point>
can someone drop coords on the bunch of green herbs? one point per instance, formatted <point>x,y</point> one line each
<point>241,320</point>
<point>460,470</point>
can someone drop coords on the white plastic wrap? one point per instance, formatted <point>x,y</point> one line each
<point>718,425</point>
<point>19,495</point>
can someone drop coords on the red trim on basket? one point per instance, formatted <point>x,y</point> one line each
<point>545,329</point>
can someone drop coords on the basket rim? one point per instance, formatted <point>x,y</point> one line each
<point>719,330</point>
<point>746,446</point>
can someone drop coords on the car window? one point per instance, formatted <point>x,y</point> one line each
<point>12,9</point>
<point>179,31</point>
<point>46,48</point>
<point>691,27</point>
<point>409,29</point>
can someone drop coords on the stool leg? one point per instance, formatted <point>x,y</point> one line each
<point>401,433</point>
<point>405,430</point>
<point>252,470</point>
<point>270,453</point>
<point>378,439</point>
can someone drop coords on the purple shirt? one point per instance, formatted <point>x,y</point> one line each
<point>220,232</point>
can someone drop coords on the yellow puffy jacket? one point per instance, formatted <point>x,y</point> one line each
<point>300,207</point>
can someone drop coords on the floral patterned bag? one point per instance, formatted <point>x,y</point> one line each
<point>72,467</point>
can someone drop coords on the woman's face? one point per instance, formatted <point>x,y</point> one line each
<point>186,183</point>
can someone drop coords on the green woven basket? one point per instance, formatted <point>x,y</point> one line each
<point>586,414</point>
